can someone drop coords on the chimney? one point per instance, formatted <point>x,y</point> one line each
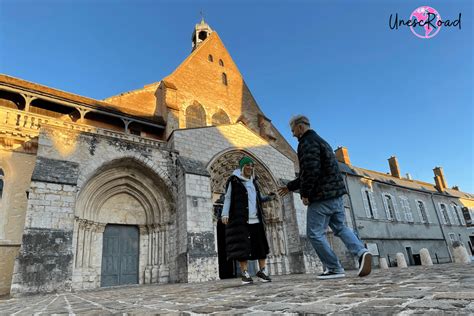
<point>342,155</point>
<point>440,181</point>
<point>409,176</point>
<point>455,188</point>
<point>394,169</point>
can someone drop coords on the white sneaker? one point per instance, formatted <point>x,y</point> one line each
<point>331,275</point>
<point>246,279</point>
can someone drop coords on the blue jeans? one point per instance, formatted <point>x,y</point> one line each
<point>320,215</point>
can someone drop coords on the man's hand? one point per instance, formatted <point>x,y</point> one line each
<point>283,191</point>
<point>305,201</point>
<point>225,220</point>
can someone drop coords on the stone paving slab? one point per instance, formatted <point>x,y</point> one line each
<point>446,289</point>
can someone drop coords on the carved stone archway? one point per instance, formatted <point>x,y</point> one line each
<point>126,192</point>
<point>220,168</point>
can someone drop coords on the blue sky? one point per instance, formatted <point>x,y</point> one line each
<point>377,91</point>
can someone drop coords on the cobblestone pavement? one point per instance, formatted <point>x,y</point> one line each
<point>440,289</point>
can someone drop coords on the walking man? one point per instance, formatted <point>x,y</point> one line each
<point>322,188</point>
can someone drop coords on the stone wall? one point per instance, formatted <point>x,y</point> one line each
<point>8,253</point>
<point>79,182</point>
<point>44,263</point>
<point>217,150</point>
<point>17,167</point>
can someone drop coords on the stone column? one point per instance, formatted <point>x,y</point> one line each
<point>155,249</point>
<point>164,271</point>
<point>383,264</point>
<point>425,257</point>
<point>460,254</point>
<point>401,261</point>
<point>80,243</point>
<point>28,100</point>
<point>145,237</point>
<point>87,244</point>
<point>96,252</point>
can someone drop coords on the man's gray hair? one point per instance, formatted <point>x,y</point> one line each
<point>299,119</point>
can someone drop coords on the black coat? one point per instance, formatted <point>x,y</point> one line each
<point>237,234</point>
<point>320,177</point>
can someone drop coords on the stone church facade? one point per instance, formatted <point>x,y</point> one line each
<point>123,191</point>
<point>96,193</point>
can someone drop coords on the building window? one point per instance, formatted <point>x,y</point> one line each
<point>457,214</point>
<point>220,118</point>
<point>221,63</point>
<point>422,211</point>
<point>406,209</point>
<point>2,176</point>
<point>369,203</point>
<point>210,58</point>
<point>444,214</point>
<point>390,207</point>
<point>195,116</point>
<point>224,78</point>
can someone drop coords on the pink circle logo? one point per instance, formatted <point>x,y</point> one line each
<point>426,22</point>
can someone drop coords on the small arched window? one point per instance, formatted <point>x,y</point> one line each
<point>210,58</point>
<point>220,118</point>
<point>221,63</point>
<point>224,78</point>
<point>195,116</point>
<point>2,176</point>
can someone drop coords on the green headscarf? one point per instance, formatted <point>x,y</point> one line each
<point>245,161</point>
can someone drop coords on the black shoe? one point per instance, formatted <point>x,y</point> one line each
<point>330,275</point>
<point>246,279</point>
<point>365,264</point>
<point>263,276</point>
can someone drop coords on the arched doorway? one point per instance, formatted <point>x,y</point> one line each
<point>124,204</point>
<point>220,168</point>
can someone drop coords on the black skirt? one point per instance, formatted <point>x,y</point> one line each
<point>258,243</point>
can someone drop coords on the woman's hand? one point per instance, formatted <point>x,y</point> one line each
<point>225,220</point>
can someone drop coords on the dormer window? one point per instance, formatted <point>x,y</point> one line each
<point>224,78</point>
<point>221,63</point>
<point>210,58</point>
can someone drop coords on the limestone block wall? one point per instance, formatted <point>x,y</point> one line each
<point>44,263</point>
<point>201,245</point>
<point>208,145</point>
<point>79,180</point>
<point>205,144</point>
<point>17,167</point>
<point>181,240</point>
<point>8,254</point>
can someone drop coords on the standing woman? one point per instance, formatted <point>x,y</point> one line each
<point>242,215</point>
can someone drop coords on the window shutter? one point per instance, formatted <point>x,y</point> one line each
<point>428,217</point>
<point>452,209</point>
<point>366,203</point>
<point>461,216</point>
<point>374,206</point>
<point>397,213</point>
<point>385,204</point>
<point>419,210</point>
<point>443,220</point>
<point>450,214</point>
<point>404,207</point>
<point>409,212</point>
